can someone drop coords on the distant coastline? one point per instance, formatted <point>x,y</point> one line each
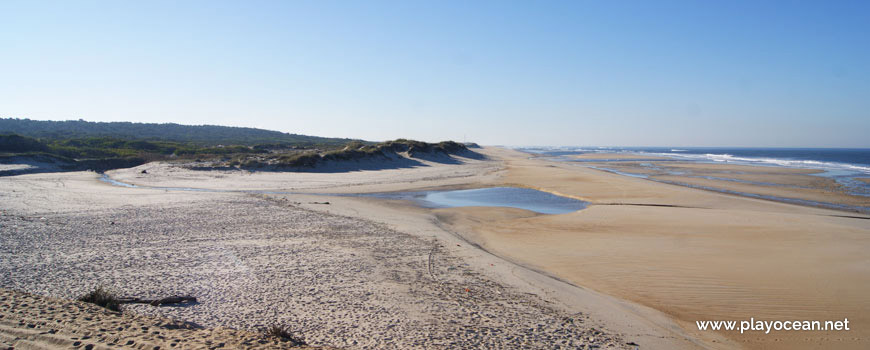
<point>832,178</point>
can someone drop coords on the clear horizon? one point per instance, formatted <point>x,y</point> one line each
<point>635,74</point>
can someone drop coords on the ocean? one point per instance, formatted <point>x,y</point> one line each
<point>844,165</point>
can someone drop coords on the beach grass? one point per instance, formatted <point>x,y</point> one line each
<point>284,334</point>
<point>102,297</point>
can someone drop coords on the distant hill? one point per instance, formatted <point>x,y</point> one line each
<point>207,135</point>
<point>79,145</point>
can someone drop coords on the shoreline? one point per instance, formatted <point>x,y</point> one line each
<point>592,261</point>
<point>802,186</point>
<point>678,244</point>
<point>793,185</point>
<point>795,201</point>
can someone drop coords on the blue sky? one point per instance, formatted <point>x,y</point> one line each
<point>617,73</point>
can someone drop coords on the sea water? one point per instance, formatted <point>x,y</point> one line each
<point>844,165</point>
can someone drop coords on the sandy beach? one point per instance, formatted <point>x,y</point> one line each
<point>615,156</point>
<point>256,260</point>
<point>693,254</point>
<point>639,266</point>
<point>789,184</point>
<point>369,175</point>
<point>35,322</point>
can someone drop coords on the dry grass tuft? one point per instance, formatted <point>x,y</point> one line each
<point>284,334</point>
<point>102,297</point>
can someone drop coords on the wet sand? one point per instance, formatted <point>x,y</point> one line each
<point>695,255</point>
<point>790,184</point>
<point>599,156</point>
<point>638,266</point>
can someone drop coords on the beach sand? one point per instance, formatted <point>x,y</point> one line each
<point>599,156</point>
<point>256,260</point>
<point>638,266</point>
<point>787,183</point>
<point>30,321</point>
<point>695,255</point>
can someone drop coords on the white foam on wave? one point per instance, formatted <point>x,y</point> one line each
<point>789,163</point>
<point>713,157</point>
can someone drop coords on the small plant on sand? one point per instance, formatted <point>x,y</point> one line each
<point>284,334</point>
<point>102,297</point>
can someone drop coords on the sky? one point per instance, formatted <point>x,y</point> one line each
<point>600,73</point>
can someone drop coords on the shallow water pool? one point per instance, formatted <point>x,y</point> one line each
<point>511,197</point>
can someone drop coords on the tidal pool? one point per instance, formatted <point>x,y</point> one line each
<point>512,197</point>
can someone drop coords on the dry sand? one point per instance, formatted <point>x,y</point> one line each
<point>640,265</point>
<point>257,260</point>
<point>383,179</point>
<point>30,321</point>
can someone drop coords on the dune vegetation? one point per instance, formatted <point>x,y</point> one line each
<point>104,146</point>
<point>353,151</point>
